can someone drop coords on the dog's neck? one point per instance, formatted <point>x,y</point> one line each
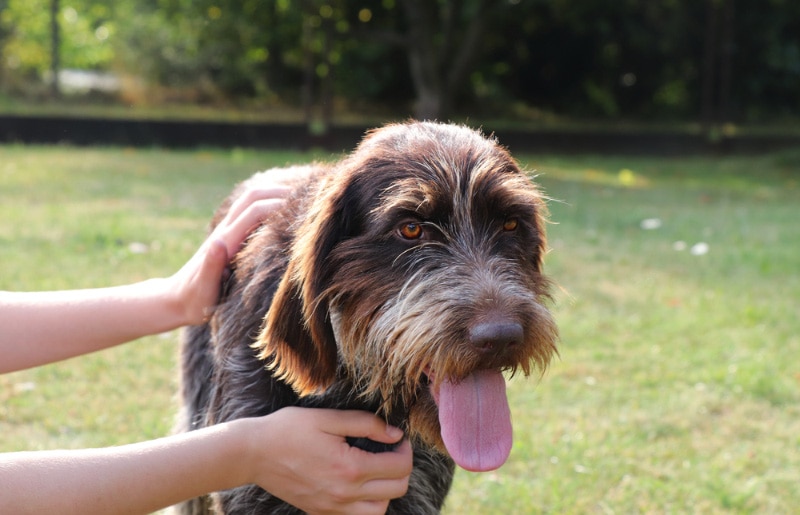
<point>335,315</point>
<point>341,392</point>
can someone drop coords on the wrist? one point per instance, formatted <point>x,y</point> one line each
<point>247,439</point>
<point>170,305</point>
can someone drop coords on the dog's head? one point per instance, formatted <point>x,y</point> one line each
<point>418,273</point>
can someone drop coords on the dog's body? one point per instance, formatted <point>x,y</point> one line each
<point>401,280</point>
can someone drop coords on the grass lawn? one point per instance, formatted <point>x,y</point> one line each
<point>678,385</point>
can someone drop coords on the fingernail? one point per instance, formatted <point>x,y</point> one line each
<point>394,432</point>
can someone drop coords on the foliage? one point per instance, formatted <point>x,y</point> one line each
<point>87,25</point>
<point>677,389</point>
<point>667,59</point>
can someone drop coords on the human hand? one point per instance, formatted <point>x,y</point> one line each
<point>196,285</point>
<point>301,456</point>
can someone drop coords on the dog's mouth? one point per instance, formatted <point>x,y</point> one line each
<point>475,419</point>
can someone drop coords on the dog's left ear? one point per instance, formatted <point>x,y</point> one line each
<point>297,338</point>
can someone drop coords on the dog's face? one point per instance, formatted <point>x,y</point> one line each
<point>418,273</point>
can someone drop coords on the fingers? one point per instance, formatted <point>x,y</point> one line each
<point>213,268</point>
<point>356,508</point>
<point>388,469</point>
<point>325,475</point>
<point>247,212</point>
<point>216,257</point>
<point>368,481</point>
<point>389,474</point>
<point>253,195</point>
<point>234,233</point>
<point>360,424</point>
<point>367,466</point>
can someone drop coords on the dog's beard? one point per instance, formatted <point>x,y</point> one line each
<point>474,417</point>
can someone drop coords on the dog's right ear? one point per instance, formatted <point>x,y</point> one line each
<point>297,339</point>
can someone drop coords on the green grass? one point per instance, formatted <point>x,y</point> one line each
<point>678,385</point>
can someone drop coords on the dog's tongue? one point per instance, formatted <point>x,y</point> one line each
<point>476,420</point>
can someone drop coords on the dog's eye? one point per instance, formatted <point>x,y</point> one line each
<point>510,224</point>
<point>410,230</point>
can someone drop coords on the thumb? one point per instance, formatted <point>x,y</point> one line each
<point>362,424</point>
<point>216,258</point>
<point>211,274</point>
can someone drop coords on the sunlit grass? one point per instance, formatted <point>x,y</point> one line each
<point>678,385</point>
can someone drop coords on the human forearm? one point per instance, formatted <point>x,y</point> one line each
<point>138,478</point>
<point>300,455</point>
<point>43,327</point>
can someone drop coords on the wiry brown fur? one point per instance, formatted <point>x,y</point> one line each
<point>330,306</point>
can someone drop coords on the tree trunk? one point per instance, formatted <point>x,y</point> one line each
<point>440,65</point>
<point>708,103</point>
<point>422,58</point>
<point>55,48</point>
<point>326,81</point>
<point>726,58</point>
<point>307,90</point>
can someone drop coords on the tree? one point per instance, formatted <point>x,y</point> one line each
<point>5,32</point>
<point>717,54</point>
<point>41,36</point>
<point>442,42</point>
<point>659,59</point>
<point>55,48</point>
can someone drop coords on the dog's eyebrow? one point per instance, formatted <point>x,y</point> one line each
<point>409,196</point>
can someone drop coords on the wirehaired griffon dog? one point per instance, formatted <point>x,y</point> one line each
<point>403,280</point>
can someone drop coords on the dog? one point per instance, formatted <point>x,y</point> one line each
<point>404,280</point>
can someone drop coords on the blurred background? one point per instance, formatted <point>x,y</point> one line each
<point>712,67</point>
<point>666,133</point>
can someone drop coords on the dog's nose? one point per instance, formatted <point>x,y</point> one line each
<point>496,335</point>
